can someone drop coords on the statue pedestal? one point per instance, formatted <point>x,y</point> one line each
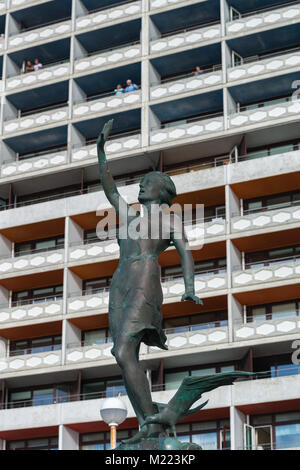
<point>159,443</point>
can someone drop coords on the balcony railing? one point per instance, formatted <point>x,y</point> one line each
<point>265,112</point>
<point>186,82</point>
<point>50,71</point>
<point>191,128</point>
<point>120,390</point>
<point>268,63</point>
<point>30,361</point>
<point>37,119</point>
<point>42,33</point>
<point>194,35</point>
<point>270,272</point>
<point>103,15</point>
<point>48,307</point>
<point>41,258</point>
<point>114,55</point>
<point>106,103</point>
<point>277,326</point>
<point>287,12</point>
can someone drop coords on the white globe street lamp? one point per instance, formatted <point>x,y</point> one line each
<point>113,411</point>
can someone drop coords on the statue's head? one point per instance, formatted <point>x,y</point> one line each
<point>157,186</point>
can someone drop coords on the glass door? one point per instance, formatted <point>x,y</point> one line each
<point>263,438</point>
<point>248,437</point>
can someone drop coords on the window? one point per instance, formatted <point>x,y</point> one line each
<point>278,431</point>
<point>272,202</point>
<point>96,286</point>
<point>272,257</point>
<point>47,443</point>
<point>37,295</point>
<point>35,345</point>
<point>202,268</point>
<point>43,395</point>
<point>195,322</point>
<point>36,246</point>
<point>210,435</point>
<point>106,387</point>
<point>173,378</point>
<point>101,440</point>
<point>273,311</point>
<point>96,336</point>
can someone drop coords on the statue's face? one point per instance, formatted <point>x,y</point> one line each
<point>150,189</point>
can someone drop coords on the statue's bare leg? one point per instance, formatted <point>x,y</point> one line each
<point>136,382</point>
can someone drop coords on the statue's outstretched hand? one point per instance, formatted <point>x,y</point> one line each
<point>103,136</point>
<point>192,297</point>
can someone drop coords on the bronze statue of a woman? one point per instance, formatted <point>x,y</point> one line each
<point>135,293</point>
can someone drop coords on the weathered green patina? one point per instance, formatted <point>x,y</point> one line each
<point>136,299</point>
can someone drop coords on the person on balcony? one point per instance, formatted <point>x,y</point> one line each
<point>37,65</point>
<point>130,86</point>
<point>197,70</point>
<point>119,90</point>
<point>29,67</point>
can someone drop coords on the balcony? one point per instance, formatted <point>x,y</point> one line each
<point>38,119</point>
<point>110,248</point>
<point>265,113</point>
<point>77,354</point>
<point>109,57</point>
<point>32,261</point>
<point>52,31</point>
<point>21,3</point>
<point>186,38</point>
<point>34,164</point>
<point>107,103</point>
<point>278,270</point>
<point>45,308</point>
<point>173,288</point>
<point>263,19</point>
<point>266,218</point>
<point>104,249</point>
<point>154,4</point>
<point>268,328</point>
<point>186,83</point>
<point>30,361</point>
<point>85,303</point>
<point>269,64</point>
<point>124,10</point>
<point>121,144</point>
<point>193,338</point>
<point>40,77</point>
<point>194,128</point>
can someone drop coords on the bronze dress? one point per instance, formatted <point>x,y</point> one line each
<point>136,295</point>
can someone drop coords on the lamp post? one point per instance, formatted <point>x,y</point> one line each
<point>113,411</point>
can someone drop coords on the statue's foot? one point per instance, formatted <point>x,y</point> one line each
<point>142,434</point>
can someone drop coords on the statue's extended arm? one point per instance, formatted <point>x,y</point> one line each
<point>106,179</point>
<point>181,244</point>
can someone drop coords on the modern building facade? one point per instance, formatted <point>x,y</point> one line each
<point>229,136</point>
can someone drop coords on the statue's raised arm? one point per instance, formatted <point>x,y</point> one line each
<point>106,179</point>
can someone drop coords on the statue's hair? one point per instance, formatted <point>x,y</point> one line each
<point>168,187</point>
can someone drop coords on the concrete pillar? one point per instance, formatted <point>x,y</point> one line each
<point>232,201</point>
<point>2,444</point>
<point>235,315</point>
<point>145,74</point>
<point>237,421</point>
<point>72,334</point>
<point>79,9</point>
<point>3,347</point>
<point>67,438</point>
<point>7,154</point>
